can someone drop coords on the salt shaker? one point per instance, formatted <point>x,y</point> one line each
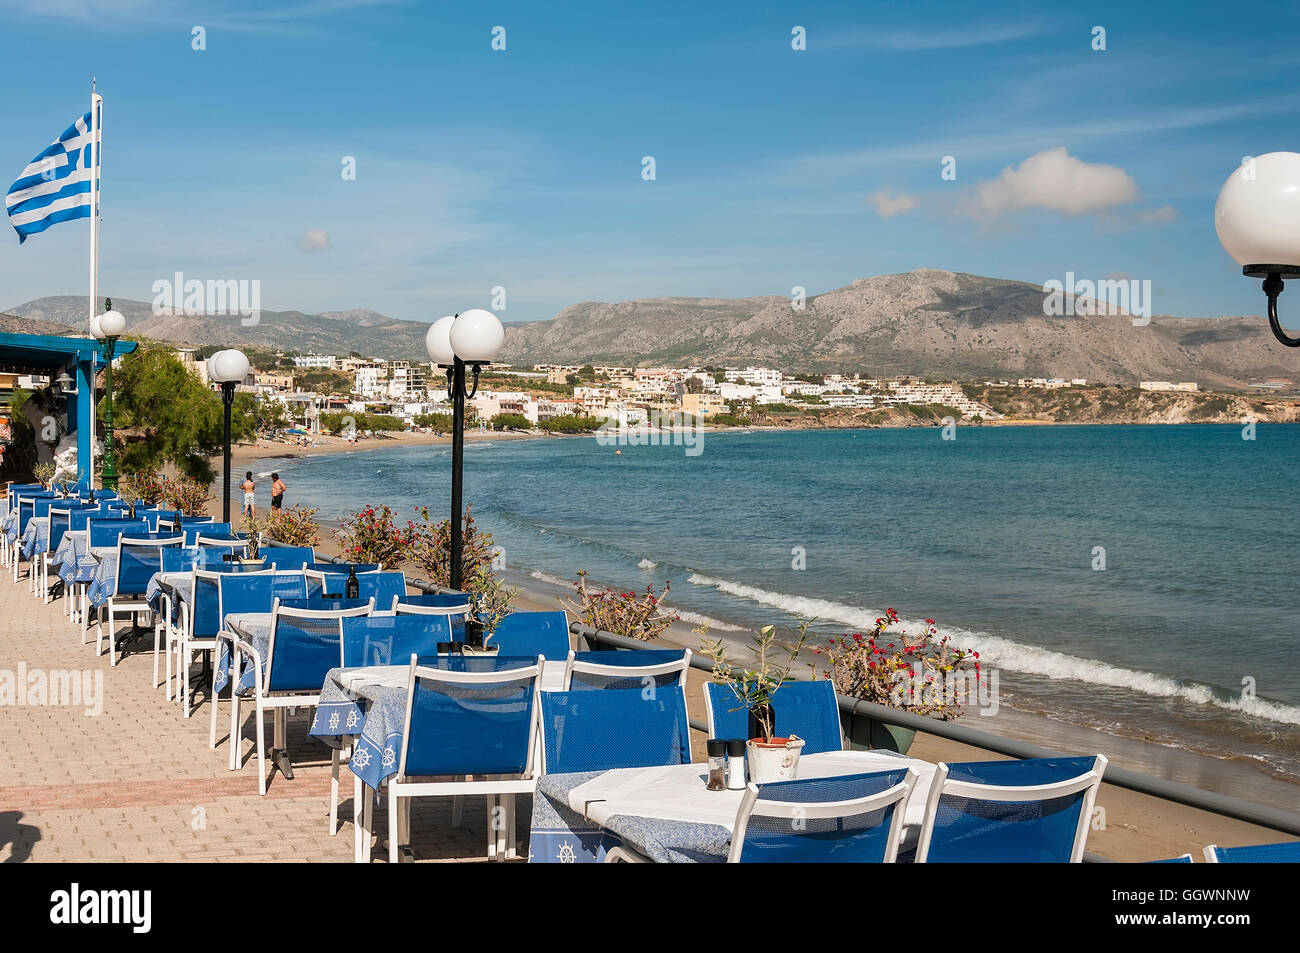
<point>717,749</point>
<point>736,764</point>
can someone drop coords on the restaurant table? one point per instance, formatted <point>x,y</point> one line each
<point>36,538</point>
<point>668,815</point>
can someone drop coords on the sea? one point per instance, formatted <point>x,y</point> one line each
<point>1140,580</point>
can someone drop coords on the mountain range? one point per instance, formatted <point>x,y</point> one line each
<point>927,322</point>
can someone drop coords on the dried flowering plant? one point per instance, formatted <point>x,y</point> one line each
<point>295,526</point>
<point>147,488</point>
<point>639,616</point>
<point>917,671</point>
<point>370,536</point>
<point>754,688</point>
<point>430,547</point>
<point>191,497</point>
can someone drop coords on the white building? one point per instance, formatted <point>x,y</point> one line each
<point>316,361</point>
<point>1184,386</point>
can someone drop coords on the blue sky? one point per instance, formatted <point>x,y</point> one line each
<point>523,168</point>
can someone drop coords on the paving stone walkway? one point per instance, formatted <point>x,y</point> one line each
<point>137,782</point>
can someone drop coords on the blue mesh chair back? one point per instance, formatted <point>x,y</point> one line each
<point>258,591</point>
<point>205,612</point>
<point>1287,853</point>
<point>138,560</point>
<point>150,514</point>
<point>533,633</point>
<point>179,560</point>
<point>380,586</point>
<point>78,519</point>
<point>323,604</point>
<point>470,716</point>
<point>807,709</point>
<point>27,507</point>
<point>854,819</point>
<point>41,506</point>
<point>438,603</point>
<point>1182,859</point>
<point>289,557</point>
<point>61,521</point>
<point>17,490</point>
<point>593,671</point>
<point>617,728</point>
<point>170,519</point>
<point>214,557</point>
<point>973,817</point>
<point>105,531</point>
<point>392,640</point>
<point>305,645</point>
<point>107,494</point>
<point>193,531</point>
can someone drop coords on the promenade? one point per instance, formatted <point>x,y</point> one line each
<point>138,782</point>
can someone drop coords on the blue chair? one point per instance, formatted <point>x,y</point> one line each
<point>106,531</point>
<point>289,557</point>
<point>199,626</point>
<point>175,520</point>
<point>616,728</point>
<point>138,559</point>
<point>60,522</point>
<point>664,668</point>
<point>151,514</point>
<point>853,819</point>
<point>1180,859</point>
<point>304,645</point>
<point>1285,853</point>
<point>439,603</point>
<point>383,587</point>
<point>392,640</point>
<point>466,717</point>
<point>533,633</point>
<point>244,589</point>
<point>1037,811</point>
<point>193,531</point>
<point>807,709</point>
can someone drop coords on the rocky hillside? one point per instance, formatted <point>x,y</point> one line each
<point>927,322</point>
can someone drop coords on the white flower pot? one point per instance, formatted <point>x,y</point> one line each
<point>777,760</point>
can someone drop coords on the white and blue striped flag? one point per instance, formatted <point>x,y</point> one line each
<point>56,185</point>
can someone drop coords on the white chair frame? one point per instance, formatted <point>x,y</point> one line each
<point>261,694</point>
<point>132,604</point>
<point>680,666</point>
<point>412,609</point>
<point>1089,781</point>
<point>499,791</point>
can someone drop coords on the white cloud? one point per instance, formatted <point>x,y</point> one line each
<point>1055,180</point>
<point>889,204</point>
<point>906,41</point>
<point>1158,216</point>
<point>315,239</point>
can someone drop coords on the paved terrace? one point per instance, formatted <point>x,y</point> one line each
<point>139,782</point>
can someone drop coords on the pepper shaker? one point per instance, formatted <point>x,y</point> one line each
<point>717,749</point>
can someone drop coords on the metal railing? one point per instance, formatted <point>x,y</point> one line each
<point>1286,822</point>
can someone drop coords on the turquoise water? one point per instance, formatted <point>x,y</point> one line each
<point>994,534</point>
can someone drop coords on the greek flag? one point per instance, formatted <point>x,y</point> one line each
<point>55,186</point>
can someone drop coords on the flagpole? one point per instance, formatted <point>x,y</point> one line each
<point>95,133</point>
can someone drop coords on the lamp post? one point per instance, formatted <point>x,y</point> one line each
<point>470,338</point>
<point>1257,217</point>
<point>108,327</point>
<point>227,368</point>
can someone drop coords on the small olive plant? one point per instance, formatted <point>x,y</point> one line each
<point>44,473</point>
<point>254,528</point>
<point>491,598</point>
<point>755,688</point>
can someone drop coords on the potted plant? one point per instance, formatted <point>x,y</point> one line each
<point>44,473</point>
<point>490,603</point>
<point>253,549</point>
<point>915,671</point>
<point>771,757</point>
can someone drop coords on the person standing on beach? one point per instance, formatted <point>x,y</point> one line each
<point>248,486</point>
<point>277,494</point>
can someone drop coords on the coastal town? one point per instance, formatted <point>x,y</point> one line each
<point>318,393</point>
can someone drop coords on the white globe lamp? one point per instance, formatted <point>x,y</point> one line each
<point>1257,217</point>
<point>477,336</point>
<point>437,341</point>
